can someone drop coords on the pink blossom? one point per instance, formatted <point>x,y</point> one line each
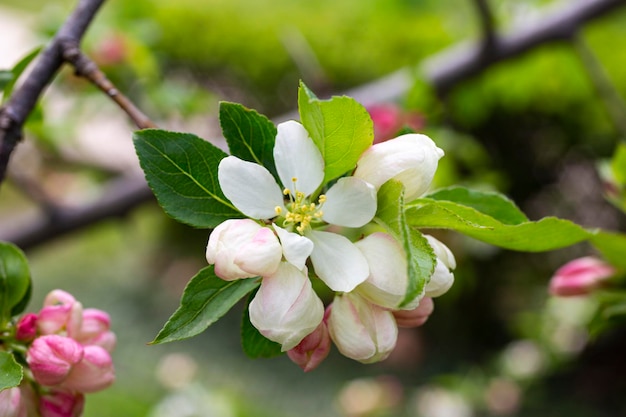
<point>580,276</point>
<point>417,316</point>
<point>312,350</point>
<point>389,119</point>
<point>60,403</point>
<point>95,329</point>
<point>11,403</point>
<point>26,328</point>
<point>52,357</point>
<point>93,373</point>
<point>61,313</point>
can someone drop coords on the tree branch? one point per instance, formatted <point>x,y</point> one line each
<point>23,100</point>
<point>445,71</point>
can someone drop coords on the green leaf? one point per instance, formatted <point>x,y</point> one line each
<point>11,372</point>
<point>205,299</point>
<point>618,164</point>
<point>546,234</point>
<point>181,169</point>
<point>15,73</point>
<point>490,203</point>
<point>340,127</point>
<point>14,279</point>
<point>422,260</point>
<point>254,344</point>
<point>612,246</point>
<point>250,136</point>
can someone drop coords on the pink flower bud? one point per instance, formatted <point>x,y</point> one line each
<point>12,403</point>
<point>93,373</point>
<point>243,249</point>
<point>52,357</point>
<point>61,314</point>
<point>26,328</point>
<point>361,330</point>
<point>59,403</point>
<point>580,276</point>
<point>312,350</point>
<point>95,329</point>
<point>417,316</point>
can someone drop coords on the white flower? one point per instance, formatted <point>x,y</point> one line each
<point>286,309</point>
<point>361,330</point>
<point>443,278</point>
<point>243,249</point>
<point>387,282</point>
<point>411,159</point>
<point>296,209</point>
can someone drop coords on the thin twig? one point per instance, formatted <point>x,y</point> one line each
<point>487,25</point>
<point>88,69</point>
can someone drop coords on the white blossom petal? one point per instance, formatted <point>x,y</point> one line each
<point>296,156</point>
<point>440,281</point>
<point>250,187</point>
<point>351,202</point>
<point>296,248</point>
<point>337,262</point>
<point>286,309</point>
<point>388,279</point>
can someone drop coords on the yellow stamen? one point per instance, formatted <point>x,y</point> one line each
<point>278,210</point>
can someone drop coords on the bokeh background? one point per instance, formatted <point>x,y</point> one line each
<point>533,127</point>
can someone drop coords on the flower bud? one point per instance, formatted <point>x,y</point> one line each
<point>243,249</point>
<point>60,403</point>
<point>52,357</point>
<point>26,328</point>
<point>417,316</point>
<point>95,329</point>
<point>442,278</point>
<point>286,309</point>
<point>361,330</point>
<point>61,313</point>
<point>580,276</point>
<point>11,403</point>
<point>411,159</point>
<point>387,282</point>
<point>93,373</point>
<point>312,350</point>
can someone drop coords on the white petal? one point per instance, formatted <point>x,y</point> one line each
<point>337,262</point>
<point>260,255</point>
<point>411,159</point>
<point>351,202</point>
<point>250,187</point>
<point>296,248</point>
<point>286,309</point>
<point>440,282</point>
<point>224,243</point>
<point>442,252</point>
<point>296,156</point>
<point>387,283</point>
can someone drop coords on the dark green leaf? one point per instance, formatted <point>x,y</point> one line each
<point>205,299</point>
<point>250,136</point>
<point>15,73</point>
<point>254,344</point>
<point>420,254</point>
<point>181,169</point>
<point>546,234</point>
<point>490,203</point>
<point>612,246</point>
<point>340,127</point>
<point>11,372</point>
<point>14,279</point>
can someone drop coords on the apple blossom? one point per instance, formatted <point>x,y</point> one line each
<point>411,159</point>
<point>26,328</point>
<point>95,329</point>
<point>361,330</point>
<point>286,309</point>
<point>61,403</point>
<point>93,373</point>
<point>417,316</point>
<point>312,350</point>
<point>61,313</point>
<point>299,210</point>
<point>52,357</point>
<point>11,403</point>
<point>580,276</point>
<point>442,279</point>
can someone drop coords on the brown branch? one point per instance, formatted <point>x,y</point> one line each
<point>13,115</point>
<point>486,24</point>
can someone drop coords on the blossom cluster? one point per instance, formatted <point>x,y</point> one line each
<point>68,354</point>
<point>304,228</point>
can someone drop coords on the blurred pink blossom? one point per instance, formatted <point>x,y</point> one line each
<point>61,313</point>
<point>52,357</point>
<point>580,276</point>
<point>389,119</point>
<point>93,373</point>
<point>11,403</point>
<point>26,328</point>
<point>95,329</point>
<point>60,403</point>
<point>417,316</point>
<point>312,350</point>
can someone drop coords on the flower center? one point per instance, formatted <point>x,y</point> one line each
<point>301,212</point>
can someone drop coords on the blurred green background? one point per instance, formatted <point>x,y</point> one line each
<point>533,128</point>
